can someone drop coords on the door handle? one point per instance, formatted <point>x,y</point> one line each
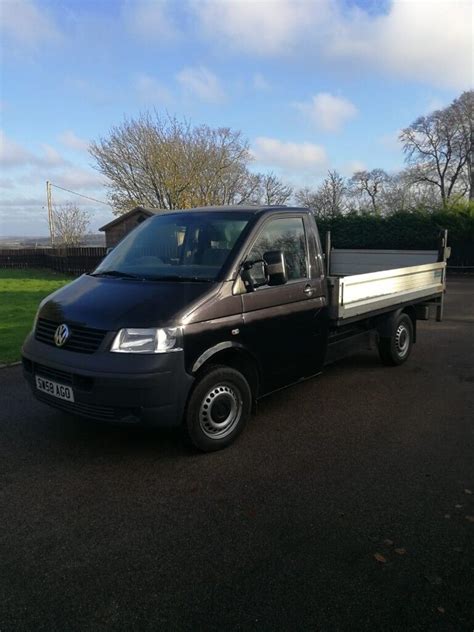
<point>308,290</point>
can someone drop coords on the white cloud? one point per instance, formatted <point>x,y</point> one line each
<point>50,157</point>
<point>24,23</point>
<point>150,20</point>
<point>260,83</point>
<point>21,201</point>
<point>351,167</point>
<point>265,27</point>
<point>28,171</point>
<point>272,152</point>
<point>13,155</point>
<point>421,40</point>
<point>69,139</point>
<point>327,112</point>
<point>80,179</point>
<point>425,41</point>
<point>6,183</point>
<point>27,215</point>
<point>75,177</point>
<point>202,83</point>
<point>151,91</point>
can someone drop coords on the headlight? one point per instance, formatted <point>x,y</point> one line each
<point>147,340</point>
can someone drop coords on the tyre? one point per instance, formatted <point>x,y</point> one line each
<point>218,409</point>
<point>396,350</point>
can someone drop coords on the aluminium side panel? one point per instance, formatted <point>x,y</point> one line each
<point>363,293</point>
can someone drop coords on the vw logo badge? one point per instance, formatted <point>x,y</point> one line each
<point>61,335</point>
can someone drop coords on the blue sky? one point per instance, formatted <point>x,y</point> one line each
<point>313,85</point>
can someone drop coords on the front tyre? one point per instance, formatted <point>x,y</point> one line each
<point>218,409</point>
<point>395,350</point>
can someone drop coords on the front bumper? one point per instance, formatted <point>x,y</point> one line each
<point>149,389</point>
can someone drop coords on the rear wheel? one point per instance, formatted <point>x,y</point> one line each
<point>395,350</point>
<point>218,409</point>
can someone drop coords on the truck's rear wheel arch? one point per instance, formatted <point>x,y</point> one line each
<point>384,324</point>
<point>411,312</point>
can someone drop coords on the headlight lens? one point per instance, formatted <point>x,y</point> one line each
<point>147,340</point>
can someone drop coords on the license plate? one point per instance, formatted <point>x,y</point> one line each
<point>61,391</point>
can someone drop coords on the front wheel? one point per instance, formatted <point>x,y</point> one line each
<point>218,409</point>
<point>395,350</point>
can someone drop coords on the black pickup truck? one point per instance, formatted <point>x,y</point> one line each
<point>198,313</point>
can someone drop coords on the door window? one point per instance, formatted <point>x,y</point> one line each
<point>288,236</point>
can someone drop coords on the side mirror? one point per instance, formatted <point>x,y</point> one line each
<point>276,267</point>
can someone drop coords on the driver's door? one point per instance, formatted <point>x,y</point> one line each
<point>284,324</point>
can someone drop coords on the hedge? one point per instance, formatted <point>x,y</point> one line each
<point>404,230</point>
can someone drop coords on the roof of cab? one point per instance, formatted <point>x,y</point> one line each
<point>228,209</point>
<point>257,208</point>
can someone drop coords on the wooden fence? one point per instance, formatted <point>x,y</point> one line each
<point>72,261</point>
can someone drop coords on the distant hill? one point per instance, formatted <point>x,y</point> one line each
<point>96,239</point>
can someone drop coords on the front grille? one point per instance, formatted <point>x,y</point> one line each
<point>54,374</point>
<point>92,411</point>
<point>81,339</point>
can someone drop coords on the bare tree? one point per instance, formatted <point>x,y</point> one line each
<point>369,187</point>
<point>308,198</point>
<point>463,112</point>
<point>167,163</point>
<point>333,194</point>
<point>70,224</point>
<point>273,190</point>
<point>329,199</point>
<point>438,148</point>
<point>396,194</point>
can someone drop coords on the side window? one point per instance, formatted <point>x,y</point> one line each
<point>286,235</point>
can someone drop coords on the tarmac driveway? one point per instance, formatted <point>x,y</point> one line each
<point>348,504</point>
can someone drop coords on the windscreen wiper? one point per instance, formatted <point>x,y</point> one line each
<point>177,277</point>
<point>117,273</point>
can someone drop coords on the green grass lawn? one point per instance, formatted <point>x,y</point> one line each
<point>20,294</point>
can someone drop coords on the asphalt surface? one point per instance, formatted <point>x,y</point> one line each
<point>103,528</point>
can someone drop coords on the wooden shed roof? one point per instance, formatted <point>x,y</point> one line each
<point>138,209</point>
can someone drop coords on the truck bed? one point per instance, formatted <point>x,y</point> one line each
<point>390,285</point>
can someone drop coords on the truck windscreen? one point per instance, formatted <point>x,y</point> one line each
<point>176,246</point>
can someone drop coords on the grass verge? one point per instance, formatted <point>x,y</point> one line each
<point>20,294</point>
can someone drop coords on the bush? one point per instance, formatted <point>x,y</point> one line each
<point>406,231</point>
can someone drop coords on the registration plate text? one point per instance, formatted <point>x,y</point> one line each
<point>61,391</point>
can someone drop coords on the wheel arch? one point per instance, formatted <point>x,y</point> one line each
<point>411,312</point>
<point>384,324</point>
<point>236,356</point>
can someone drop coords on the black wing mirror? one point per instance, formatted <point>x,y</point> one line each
<point>276,267</point>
